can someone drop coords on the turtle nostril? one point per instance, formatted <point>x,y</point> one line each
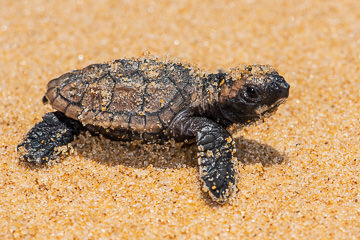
<point>284,88</point>
<point>284,85</point>
<point>285,91</point>
<point>281,86</point>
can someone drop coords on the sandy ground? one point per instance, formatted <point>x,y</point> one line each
<point>299,174</point>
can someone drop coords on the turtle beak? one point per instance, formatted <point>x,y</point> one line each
<point>279,89</point>
<point>282,87</point>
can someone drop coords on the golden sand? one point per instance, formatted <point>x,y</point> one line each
<point>299,176</point>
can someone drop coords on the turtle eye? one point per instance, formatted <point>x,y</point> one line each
<point>251,93</point>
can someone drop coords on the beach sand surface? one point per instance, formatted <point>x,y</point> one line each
<point>299,170</point>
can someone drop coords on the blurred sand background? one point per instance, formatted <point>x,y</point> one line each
<point>299,174</point>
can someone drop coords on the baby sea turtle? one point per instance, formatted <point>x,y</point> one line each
<point>153,100</point>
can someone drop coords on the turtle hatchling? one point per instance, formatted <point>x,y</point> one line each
<point>157,100</point>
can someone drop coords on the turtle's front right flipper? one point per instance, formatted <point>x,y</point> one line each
<point>217,163</point>
<point>43,142</point>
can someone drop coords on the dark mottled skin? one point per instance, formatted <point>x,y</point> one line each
<point>154,101</point>
<point>55,130</point>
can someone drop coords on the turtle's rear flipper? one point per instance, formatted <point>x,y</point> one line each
<point>44,141</point>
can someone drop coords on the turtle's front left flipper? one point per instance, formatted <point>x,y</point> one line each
<point>217,164</point>
<point>42,143</point>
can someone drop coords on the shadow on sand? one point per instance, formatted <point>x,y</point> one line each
<point>167,155</point>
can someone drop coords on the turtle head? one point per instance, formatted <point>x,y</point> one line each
<point>251,92</point>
